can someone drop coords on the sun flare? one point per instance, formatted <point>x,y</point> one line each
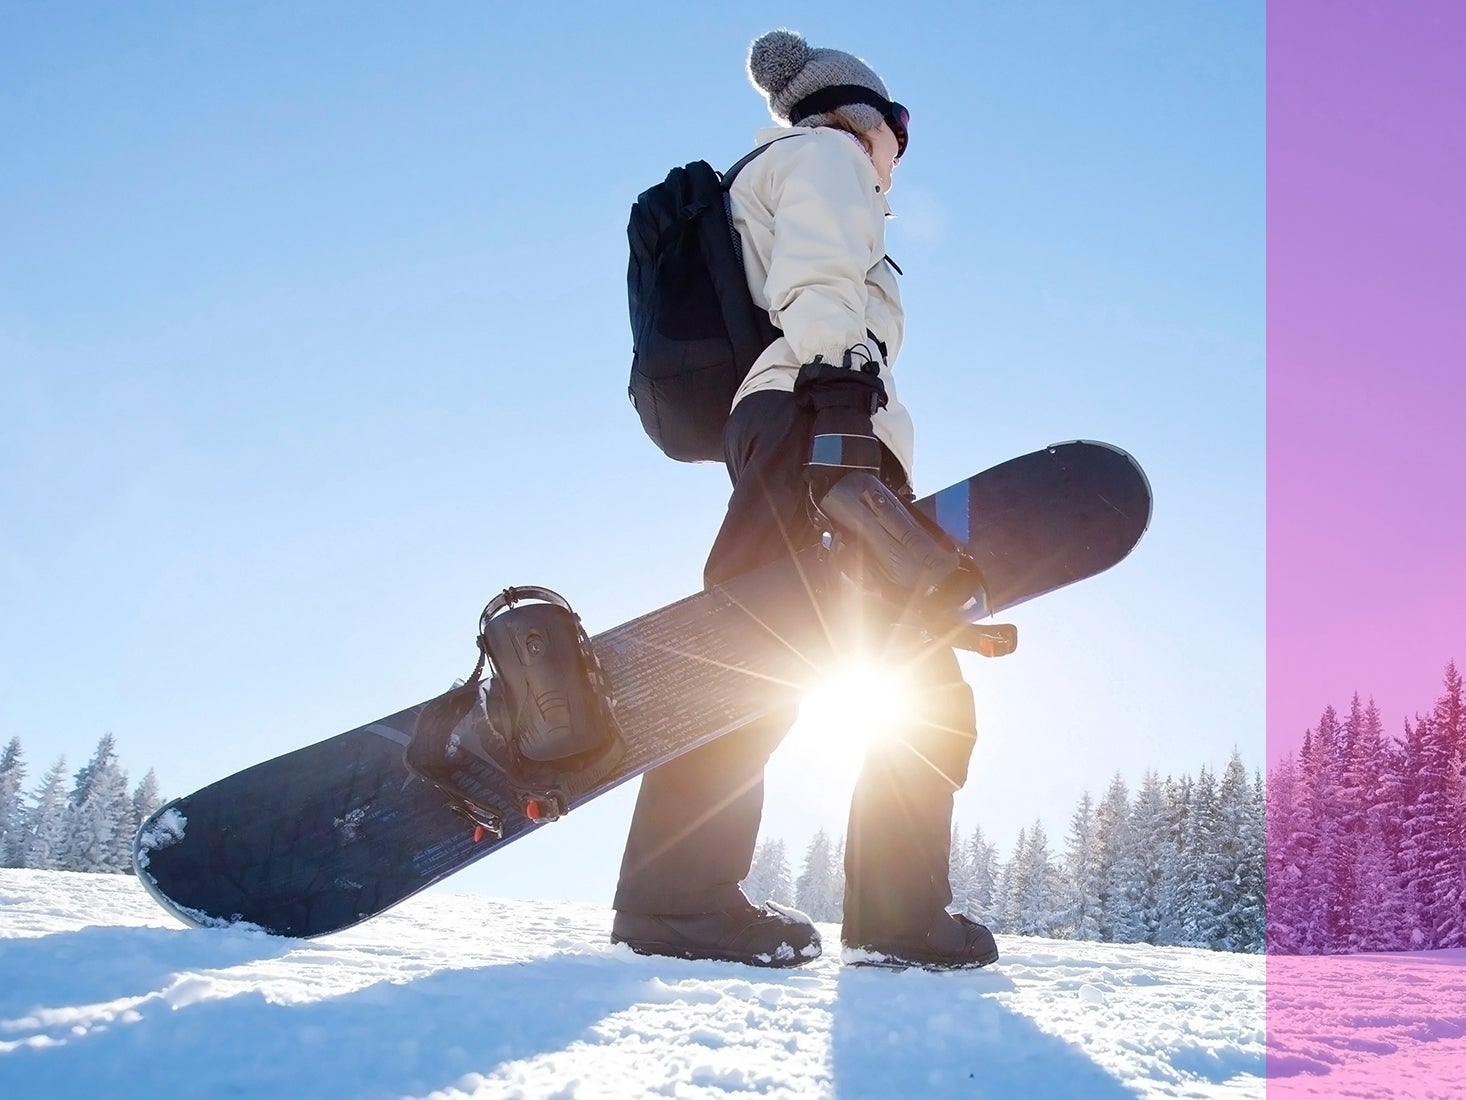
<point>853,708</point>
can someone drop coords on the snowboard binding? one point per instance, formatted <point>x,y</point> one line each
<point>544,720</point>
<point>924,577</point>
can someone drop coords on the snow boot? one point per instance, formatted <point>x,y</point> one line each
<point>759,935</point>
<point>955,943</point>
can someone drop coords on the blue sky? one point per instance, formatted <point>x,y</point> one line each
<point>313,337</point>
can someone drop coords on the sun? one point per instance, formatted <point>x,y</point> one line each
<point>843,715</point>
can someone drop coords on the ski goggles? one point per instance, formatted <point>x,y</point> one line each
<point>897,117</point>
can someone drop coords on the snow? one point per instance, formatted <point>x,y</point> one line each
<point>102,994</point>
<point>163,832</point>
<point>1367,1025</point>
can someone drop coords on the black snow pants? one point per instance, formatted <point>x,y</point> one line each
<point>697,817</point>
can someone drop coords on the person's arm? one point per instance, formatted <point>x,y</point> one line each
<point>826,229</point>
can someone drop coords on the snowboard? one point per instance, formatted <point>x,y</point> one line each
<point>324,837</point>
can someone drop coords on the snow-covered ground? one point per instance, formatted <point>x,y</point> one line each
<point>1367,1026</point>
<point>101,994</point>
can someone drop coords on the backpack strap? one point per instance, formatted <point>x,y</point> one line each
<point>728,178</point>
<point>732,173</point>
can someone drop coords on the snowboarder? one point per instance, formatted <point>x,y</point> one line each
<point>820,402</point>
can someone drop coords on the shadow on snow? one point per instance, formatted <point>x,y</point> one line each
<point>161,1010</point>
<point>943,1034</point>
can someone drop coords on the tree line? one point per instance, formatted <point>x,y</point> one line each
<point>1181,863</point>
<point>1366,833</point>
<point>86,825</point>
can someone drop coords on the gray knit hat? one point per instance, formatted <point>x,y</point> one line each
<point>785,69</point>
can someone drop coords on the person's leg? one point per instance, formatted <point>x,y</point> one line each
<point>898,842</point>
<point>695,826</point>
<point>697,817</point>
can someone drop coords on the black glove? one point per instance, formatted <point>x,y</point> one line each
<point>842,400</point>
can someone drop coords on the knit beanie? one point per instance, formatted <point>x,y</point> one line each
<point>783,66</point>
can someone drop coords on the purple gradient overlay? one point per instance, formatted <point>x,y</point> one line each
<point>1366,419</point>
<point>1366,354</point>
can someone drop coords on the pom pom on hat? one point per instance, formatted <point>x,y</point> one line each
<point>775,59</point>
<point>785,68</point>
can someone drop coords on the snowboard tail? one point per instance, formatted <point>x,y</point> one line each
<point>324,837</point>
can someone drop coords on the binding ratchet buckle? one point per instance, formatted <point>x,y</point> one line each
<point>924,577</point>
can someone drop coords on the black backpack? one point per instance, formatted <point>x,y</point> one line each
<point>695,330</point>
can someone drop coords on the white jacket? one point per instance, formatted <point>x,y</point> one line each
<point>812,216</point>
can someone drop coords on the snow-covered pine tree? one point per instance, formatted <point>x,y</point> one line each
<point>1433,859</point>
<point>1285,925</point>
<point>99,815</point>
<point>769,878</point>
<point>1009,909</point>
<point>1388,917</point>
<point>1111,824</point>
<point>1083,875</point>
<point>1372,875</point>
<point>41,846</point>
<point>1356,785</point>
<point>1327,878</point>
<point>1416,803</point>
<point>1450,718</point>
<point>1178,795</point>
<point>1453,931</point>
<point>1034,883</point>
<point>1204,868</point>
<point>1237,847</point>
<point>1255,876</point>
<point>814,890</point>
<point>12,806</point>
<point>145,799</point>
<point>981,899</point>
<point>1336,818</point>
<point>1147,864</point>
<point>958,870</point>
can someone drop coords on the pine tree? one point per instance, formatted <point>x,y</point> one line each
<point>12,808</point>
<point>145,799</point>
<point>1425,846</point>
<point>1380,919</point>
<point>958,870</point>
<point>1009,909</point>
<point>1236,848</point>
<point>1435,859</point>
<point>1385,919</point>
<point>1390,823</point>
<point>1172,931</point>
<point>1037,885</point>
<point>44,831</point>
<point>980,902</point>
<point>769,878</point>
<point>1111,824</point>
<point>815,890</point>
<point>1255,872</point>
<point>99,815</point>
<point>1203,866</point>
<point>1148,864</point>
<point>1348,813</point>
<point>1084,875</point>
<point>1283,936</point>
<point>1336,822</point>
<point>1416,803</point>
